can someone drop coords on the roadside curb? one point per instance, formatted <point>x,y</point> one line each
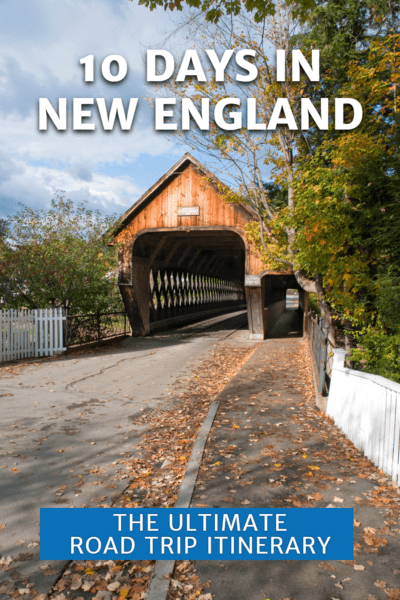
<point>159,582</point>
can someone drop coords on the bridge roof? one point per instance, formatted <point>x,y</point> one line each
<point>178,168</point>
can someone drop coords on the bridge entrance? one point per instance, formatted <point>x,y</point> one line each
<point>181,277</point>
<point>184,256</point>
<point>285,304</point>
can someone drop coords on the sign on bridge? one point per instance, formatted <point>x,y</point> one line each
<point>188,211</point>
<point>252,281</point>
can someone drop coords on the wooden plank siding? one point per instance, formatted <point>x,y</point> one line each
<point>159,211</point>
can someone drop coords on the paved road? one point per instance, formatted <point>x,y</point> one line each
<point>66,423</point>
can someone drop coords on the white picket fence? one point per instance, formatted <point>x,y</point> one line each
<point>367,409</point>
<point>27,333</point>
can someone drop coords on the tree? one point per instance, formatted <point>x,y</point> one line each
<point>244,155</point>
<point>348,211</point>
<point>325,231</point>
<point>59,258</point>
<point>215,10</point>
<point>3,228</point>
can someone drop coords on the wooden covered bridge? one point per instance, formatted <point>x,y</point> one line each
<point>184,257</point>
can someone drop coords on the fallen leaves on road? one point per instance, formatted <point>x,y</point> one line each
<point>154,480</point>
<point>311,462</point>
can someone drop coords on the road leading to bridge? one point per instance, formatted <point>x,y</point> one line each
<point>66,422</point>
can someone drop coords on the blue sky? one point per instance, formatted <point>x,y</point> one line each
<point>41,44</point>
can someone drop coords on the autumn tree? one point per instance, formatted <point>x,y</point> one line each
<point>324,239</point>
<point>59,258</point>
<point>347,213</point>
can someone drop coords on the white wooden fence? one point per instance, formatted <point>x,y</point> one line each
<point>367,409</point>
<point>26,333</point>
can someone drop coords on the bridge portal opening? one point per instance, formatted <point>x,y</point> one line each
<point>284,306</point>
<point>183,276</point>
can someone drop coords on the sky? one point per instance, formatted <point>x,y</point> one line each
<point>41,44</point>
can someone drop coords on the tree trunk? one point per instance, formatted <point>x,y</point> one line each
<point>314,287</point>
<point>326,314</point>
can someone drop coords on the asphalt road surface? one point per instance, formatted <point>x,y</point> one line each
<point>65,424</point>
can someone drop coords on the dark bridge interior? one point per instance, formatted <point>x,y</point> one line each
<point>211,253</point>
<point>284,314</point>
<point>189,275</point>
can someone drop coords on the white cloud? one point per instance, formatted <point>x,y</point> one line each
<point>40,47</point>
<point>51,36</point>
<point>21,136</point>
<point>36,185</point>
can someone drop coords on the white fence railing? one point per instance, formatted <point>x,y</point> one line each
<point>27,333</point>
<point>367,409</point>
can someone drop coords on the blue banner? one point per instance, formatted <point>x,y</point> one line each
<point>196,534</point>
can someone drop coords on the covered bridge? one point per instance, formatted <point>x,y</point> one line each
<point>184,256</point>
